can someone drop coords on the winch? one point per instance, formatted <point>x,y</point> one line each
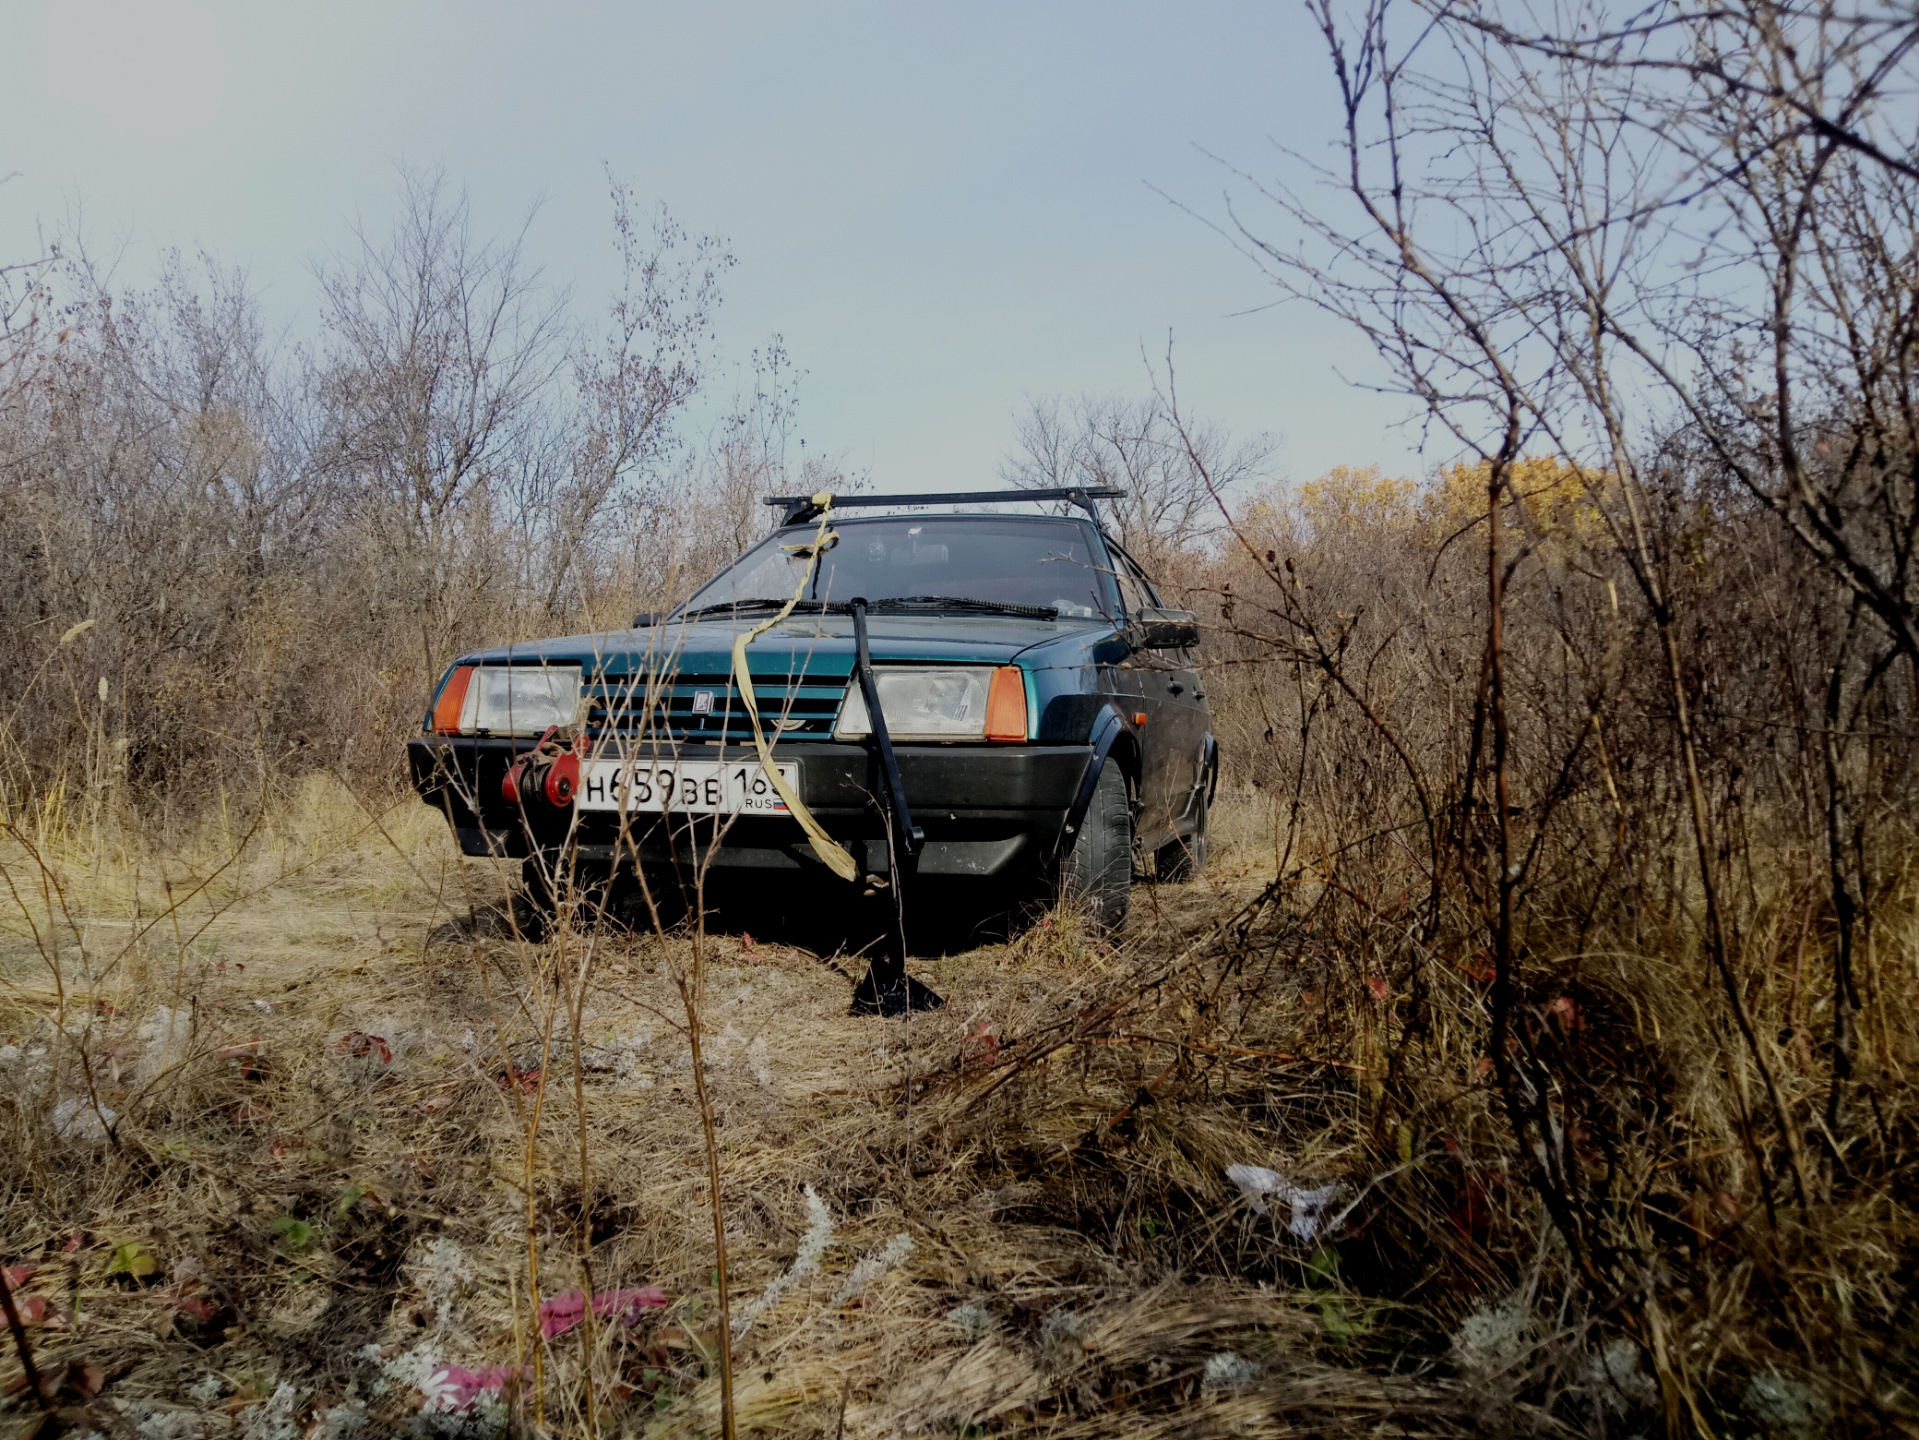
<point>549,773</point>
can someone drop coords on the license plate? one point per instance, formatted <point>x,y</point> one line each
<point>687,787</point>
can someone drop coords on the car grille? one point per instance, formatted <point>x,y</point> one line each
<point>790,707</point>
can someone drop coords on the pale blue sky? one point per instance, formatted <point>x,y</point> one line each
<point>944,210</point>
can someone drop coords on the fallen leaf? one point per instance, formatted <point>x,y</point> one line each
<point>131,1259</point>
<point>561,1313</point>
<point>360,1044</point>
<point>454,1387</point>
<point>1378,986</point>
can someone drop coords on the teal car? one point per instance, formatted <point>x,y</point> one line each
<point>1041,721</point>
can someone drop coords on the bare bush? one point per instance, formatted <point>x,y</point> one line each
<point>1167,509</point>
<point>238,561</point>
<point>1613,717</point>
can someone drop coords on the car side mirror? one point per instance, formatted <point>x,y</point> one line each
<point>1160,629</point>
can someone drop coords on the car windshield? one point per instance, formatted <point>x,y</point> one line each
<point>1026,562</point>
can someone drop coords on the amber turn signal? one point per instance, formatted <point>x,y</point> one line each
<point>1006,705</point>
<point>446,711</point>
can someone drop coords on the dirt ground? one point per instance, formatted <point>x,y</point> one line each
<point>347,1163</point>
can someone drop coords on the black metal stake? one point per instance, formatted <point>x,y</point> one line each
<point>28,1370</point>
<point>887,988</point>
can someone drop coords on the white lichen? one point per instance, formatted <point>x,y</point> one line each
<point>819,1234</point>
<point>1492,1340</point>
<point>1227,1371</point>
<point>208,1388</point>
<point>1617,1379</point>
<point>344,1420</point>
<point>871,1267</point>
<point>974,1319</point>
<point>274,1419</point>
<point>160,1422</point>
<point>78,1119</point>
<point>1787,1409</point>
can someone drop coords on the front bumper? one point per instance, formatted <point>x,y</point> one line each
<point>986,810</point>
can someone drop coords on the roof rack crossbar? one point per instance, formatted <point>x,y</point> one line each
<point>800,508</point>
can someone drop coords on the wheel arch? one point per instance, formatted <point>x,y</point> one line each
<point>1112,741</point>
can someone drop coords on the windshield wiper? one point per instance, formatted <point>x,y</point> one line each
<point>961,602</point>
<point>730,607</point>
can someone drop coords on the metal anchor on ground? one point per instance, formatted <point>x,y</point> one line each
<point>887,989</point>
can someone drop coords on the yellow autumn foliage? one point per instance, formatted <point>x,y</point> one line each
<point>1350,501</point>
<point>1355,497</point>
<point>1558,498</point>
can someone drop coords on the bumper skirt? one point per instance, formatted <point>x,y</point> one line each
<point>986,810</point>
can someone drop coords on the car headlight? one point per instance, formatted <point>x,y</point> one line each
<point>927,704</point>
<point>507,699</point>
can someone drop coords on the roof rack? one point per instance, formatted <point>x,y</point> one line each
<point>800,508</point>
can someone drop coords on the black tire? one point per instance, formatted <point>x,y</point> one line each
<point>1180,860</point>
<point>533,900</point>
<point>1098,871</point>
<point>536,905</point>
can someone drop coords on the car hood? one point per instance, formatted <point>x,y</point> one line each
<point>814,645</point>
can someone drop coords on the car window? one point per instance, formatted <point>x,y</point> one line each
<point>1134,589</point>
<point>1042,562</point>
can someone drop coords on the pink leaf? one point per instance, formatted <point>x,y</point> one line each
<point>1378,986</point>
<point>563,1312</point>
<point>18,1275</point>
<point>454,1387</point>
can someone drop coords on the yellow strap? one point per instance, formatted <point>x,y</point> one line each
<point>828,849</point>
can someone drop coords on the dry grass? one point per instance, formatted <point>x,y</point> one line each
<point>302,1197</point>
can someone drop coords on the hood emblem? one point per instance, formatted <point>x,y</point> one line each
<point>702,702</point>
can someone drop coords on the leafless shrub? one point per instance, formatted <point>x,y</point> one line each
<point>1167,511</point>
<point>1597,717</point>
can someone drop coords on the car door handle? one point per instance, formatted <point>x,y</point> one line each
<point>1176,687</point>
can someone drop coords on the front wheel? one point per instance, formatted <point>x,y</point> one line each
<point>1098,873</point>
<point>550,886</point>
<point>1182,857</point>
<point>534,903</point>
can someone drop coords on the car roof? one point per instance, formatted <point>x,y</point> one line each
<point>840,518</point>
